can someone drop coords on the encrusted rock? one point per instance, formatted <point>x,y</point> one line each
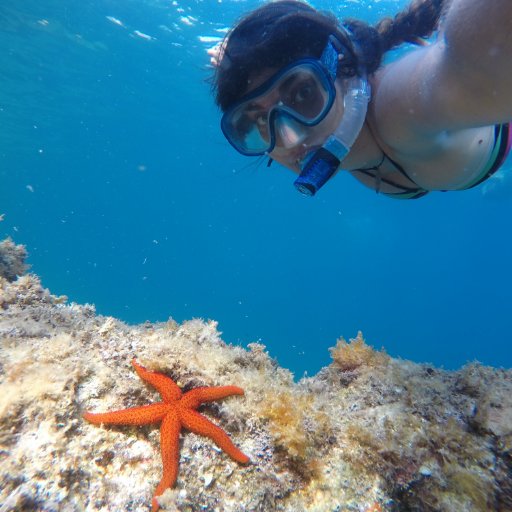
<point>367,433</point>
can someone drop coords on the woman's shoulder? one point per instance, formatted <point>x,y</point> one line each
<point>400,107</point>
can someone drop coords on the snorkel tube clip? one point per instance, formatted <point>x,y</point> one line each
<point>319,165</point>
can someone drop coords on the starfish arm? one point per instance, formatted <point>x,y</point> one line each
<point>198,424</point>
<point>177,410</point>
<point>167,388</point>
<point>170,449</point>
<point>144,415</point>
<point>197,396</point>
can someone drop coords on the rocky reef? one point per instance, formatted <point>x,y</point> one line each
<point>12,260</point>
<point>368,433</point>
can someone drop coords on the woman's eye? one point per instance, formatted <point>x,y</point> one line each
<point>261,120</point>
<point>303,94</point>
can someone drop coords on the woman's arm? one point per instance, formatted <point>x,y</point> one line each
<point>477,57</point>
<point>462,80</point>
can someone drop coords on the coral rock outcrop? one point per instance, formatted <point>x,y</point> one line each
<point>368,432</point>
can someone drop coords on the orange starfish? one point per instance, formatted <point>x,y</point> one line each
<point>176,411</point>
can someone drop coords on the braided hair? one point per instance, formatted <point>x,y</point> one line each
<point>280,32</point>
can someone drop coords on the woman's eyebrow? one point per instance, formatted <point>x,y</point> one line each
<point>290,81</point>
<point>253,106</point>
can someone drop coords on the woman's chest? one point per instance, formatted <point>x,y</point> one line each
<point>450,161</point>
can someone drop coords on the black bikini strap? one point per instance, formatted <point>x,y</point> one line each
<point>399,168</point>
<point>388,182</point>
<point>377,175</point>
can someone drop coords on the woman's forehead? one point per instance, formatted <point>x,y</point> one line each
<point>259,78</point>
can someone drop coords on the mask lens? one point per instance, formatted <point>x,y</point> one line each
<point>250,131</point>
<point>305,95</point>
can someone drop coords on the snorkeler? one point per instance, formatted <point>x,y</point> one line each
<point>310,92</point>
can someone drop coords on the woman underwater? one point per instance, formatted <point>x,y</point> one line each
<point>311,93</point>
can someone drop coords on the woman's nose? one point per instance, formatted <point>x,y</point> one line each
<point>289,133</point>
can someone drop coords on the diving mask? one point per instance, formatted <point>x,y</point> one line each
<point>297,97</point>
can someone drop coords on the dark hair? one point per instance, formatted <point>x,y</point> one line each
<point>280,32</point>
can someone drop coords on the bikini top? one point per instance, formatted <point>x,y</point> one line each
<point>501,147</point>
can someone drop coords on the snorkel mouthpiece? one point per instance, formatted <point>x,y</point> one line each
<point>317,170</point>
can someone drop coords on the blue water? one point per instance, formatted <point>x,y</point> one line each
<point>115,174</point>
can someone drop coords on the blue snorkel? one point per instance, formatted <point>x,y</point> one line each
<point>319,165</point>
